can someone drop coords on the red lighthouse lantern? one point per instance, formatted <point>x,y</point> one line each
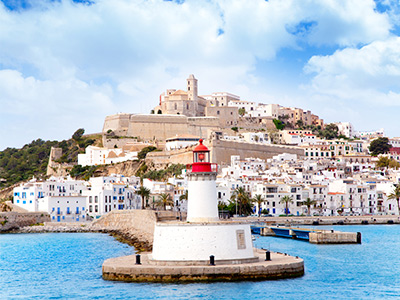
<point>201,158</point>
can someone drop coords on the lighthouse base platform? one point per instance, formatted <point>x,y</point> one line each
<point>126,269</point>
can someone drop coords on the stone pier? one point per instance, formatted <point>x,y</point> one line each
<point>280,266</point>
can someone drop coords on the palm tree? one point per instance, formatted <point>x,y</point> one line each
<point>184,196</point>
<point>243,201</point>
<point>308,203</point>
<point>144,193</point>
<point>164,200</point>
<point>286,200</point>
<point>396,195</point>
<point>259,200</point>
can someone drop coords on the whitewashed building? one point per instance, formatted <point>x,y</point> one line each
<point>27,195</point>
<point>94,156</point>
<point>64,208</point>
<point>110,193</point>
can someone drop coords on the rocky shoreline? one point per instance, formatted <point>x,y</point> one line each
<point>130,237</point>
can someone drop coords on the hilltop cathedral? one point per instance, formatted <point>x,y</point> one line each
<point>178,102</point>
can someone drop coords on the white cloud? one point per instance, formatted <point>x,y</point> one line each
<point>120,55</point>
<point>32,108</point>
<point>371,73</point>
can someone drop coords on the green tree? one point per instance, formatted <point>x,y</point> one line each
<point>144,193</point>
<point>184,196</point>
<point>235,129</point>
<point>300,124</point>
<point>286,200</point>
<point>242,112</point>
<point>308,203</point>
<point>379,146</point>
<point>383,162</point>
<point>142,153</point>
<point>330,132</point>
<point>278,124</point>
<point>258,200</point>
<point>396,195</point>
<point>393,164</point>
<point>241,199</point>
<point>164,200</point>
<point>77,136</point>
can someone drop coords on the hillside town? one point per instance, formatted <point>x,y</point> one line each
<point>274,155</point>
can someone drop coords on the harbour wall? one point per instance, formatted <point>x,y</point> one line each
<point>138,223</point>
<point>14,220</point>
<point>321,220</point>
<point>221,152</point>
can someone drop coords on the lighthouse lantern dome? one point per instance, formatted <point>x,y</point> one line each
<point>201,154</point>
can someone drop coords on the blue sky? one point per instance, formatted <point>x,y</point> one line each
<point>67,64</point>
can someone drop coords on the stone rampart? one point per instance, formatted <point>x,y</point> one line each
<point>180,156</point>
<point>14,220</point>
<point>139,223</point>
<point>222,150</point>
<point>118,123</point>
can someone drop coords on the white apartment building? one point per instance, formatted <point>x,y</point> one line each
<point>298,137</point>
<point>327,149</point>
<point>27,195</point>
<point>181,142</point>
<point>110,193</point>
<point>346,129</point>
<point>265,110</point>
<point>156,188</point>
<point>248,106</point>
<point>256,137</point>
<point>64,208</point>
<point>180,189</point>
<point>273,194</point>
<point>221,98</point>
<point>395,142</point>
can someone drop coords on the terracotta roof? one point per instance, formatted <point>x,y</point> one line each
<point>112,155</point>
<point>179,92</point>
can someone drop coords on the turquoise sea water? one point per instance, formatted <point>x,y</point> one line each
<point>68,266</point>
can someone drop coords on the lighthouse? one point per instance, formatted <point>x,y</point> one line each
<point>203,234</point>
<point>202,248</point>
<point>202,195</point>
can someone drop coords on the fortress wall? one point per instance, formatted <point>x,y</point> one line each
<point>181,156</point>
<point>111,143</point>
<point>159,127</point>
<point>221,151</point>
<point>118,123</point>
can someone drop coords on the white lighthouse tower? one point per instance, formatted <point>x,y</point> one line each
<point>202,200</point>
<point>203,235</point>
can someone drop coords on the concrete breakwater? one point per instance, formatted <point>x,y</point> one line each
<point>314,236</point>
<point>322,220</point>
<point>133,227</point>
<point>279,266</point>
<point>14,220</point>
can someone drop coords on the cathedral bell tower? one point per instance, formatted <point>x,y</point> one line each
<point>192,88</point>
